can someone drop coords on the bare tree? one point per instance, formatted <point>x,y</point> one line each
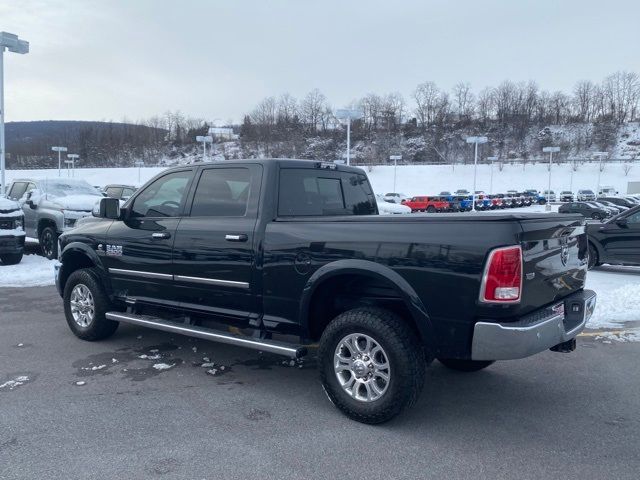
<point>312,107</point>
<point>463,99</point>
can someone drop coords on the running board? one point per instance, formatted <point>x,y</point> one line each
<point>271,346</point>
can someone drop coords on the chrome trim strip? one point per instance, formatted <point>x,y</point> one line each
<point>212,281</point>
<point>199,332</point>
<point>138,273</point>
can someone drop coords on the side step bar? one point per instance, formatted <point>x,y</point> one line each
<point>271,346</point>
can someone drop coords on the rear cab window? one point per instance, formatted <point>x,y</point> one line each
<point>316,192</point>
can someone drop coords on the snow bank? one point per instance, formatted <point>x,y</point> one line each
<point>618,290</point>
<point>33,271</point>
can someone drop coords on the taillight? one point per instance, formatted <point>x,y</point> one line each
<point>502,279</point>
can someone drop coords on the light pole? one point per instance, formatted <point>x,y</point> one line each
<point>59,150</point>
<point>599,156</point>
<point>395,159</point>
<point>12,43</point>
<point>346,116</point>
<point>476,141</point>
<point>491,160</point>
<point>139,164</point>
<point>204,139</point>
<point>550,151</point>
<point>73,158</point>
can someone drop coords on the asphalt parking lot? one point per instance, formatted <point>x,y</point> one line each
<point>256,416</point>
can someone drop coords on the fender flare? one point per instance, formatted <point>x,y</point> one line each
<point>598,246</point>
<point>370,269</point>
<point>85,250</point>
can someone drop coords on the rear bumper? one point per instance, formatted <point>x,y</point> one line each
<point>534,333</point>
<point>10,244</point>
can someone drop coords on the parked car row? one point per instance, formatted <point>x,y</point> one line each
<point>462,201</point>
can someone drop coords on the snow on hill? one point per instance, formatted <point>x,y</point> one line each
<point>416,179</point>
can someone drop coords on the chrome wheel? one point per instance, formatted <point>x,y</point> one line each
<point>362,367</point>
<point>47,243</point>
<point>82,305</point>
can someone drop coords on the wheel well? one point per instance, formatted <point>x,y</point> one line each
<point>44,223</point>
<point>73,261</point>
<point>595,247</point>
<point>345,292</point>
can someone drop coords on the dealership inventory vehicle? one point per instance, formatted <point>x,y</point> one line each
<point>586,209</point>
<point>607,192</point>
<point>617,241</point>
<point>585,196</point>
<point>292,254</point>
<point>119,191</point>
<point>566,196</point>
<point>546,196</point>
<point>429,204</point>
<point>390,208</point>
<point>395,197</point>
<point>620,201</point>
<point>51,206</point>
<point>11,232</point>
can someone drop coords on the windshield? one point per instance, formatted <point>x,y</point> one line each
<point>64,188</point>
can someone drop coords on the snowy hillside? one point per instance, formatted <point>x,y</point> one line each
<point>415,179</point>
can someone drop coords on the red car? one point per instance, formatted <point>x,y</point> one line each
<point>427,204</point>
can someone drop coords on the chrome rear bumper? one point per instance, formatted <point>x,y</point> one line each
<point>535,332</point>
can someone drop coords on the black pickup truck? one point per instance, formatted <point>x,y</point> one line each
<point>293,255</point>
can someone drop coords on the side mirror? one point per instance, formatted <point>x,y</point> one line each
<point>33,198</point>
<point>107,208</point>
<point>621,222</point>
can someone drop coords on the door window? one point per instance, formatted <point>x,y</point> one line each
<point>164,197</point>
<point>222,192</point>
<point>114,192</point>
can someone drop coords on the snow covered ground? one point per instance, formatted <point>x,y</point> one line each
<point>33,271</point>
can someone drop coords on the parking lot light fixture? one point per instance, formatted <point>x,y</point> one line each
<point>395,159</point>
<point>59,150</point>
<point>346,116</point>
<point>13,44</point>
<point>491,160</point>
<point>204,139</point>
<point>72,159</point>
<point>476,141</point>
<point>550,151</point>
<point>599,156</point>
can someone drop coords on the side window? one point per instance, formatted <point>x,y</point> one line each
<point>358,196</point>
<point>222,192</point>
<point>127,192</point>
<point>164,197</point>
<point>17,190</point>
<point>308,192</point>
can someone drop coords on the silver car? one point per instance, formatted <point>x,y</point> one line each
<point>51,206</point>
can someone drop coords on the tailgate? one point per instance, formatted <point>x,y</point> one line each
<point>554,258</point>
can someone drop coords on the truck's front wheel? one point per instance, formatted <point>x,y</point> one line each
<point>465,365</point>
<point>11,258</point>
<point>371,364</point>
<point>85,305</point>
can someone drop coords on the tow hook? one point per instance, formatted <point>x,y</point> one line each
<point>565,347</point>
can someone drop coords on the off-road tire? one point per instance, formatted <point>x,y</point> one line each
<point>49,250</point>
<point>431,209</point>
<point>406,359</point>
<point>99,328</point>
<point>465,365</point>
<point>11,258</point>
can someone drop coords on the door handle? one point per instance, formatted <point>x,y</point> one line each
<point>160,235</point>
<point>236,238</point>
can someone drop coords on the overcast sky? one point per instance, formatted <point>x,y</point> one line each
<point>109,60</point>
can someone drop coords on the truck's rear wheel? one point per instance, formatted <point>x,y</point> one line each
<point>85,305</point>
<point>431,209</point>
<point>465,365</point>
<point>371,364</point>
<point>11,258</point>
